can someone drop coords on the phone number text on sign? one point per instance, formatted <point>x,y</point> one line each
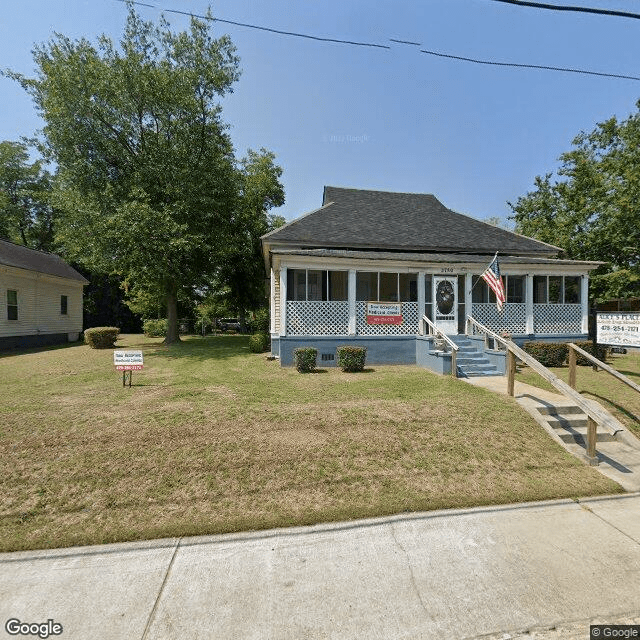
<point>619,329</point>
<point>128,360</point>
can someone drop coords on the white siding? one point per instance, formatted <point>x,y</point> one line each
<point>39,303</point>
<point>276,300</point>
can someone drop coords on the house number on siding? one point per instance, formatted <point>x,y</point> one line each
<point>447,270</point>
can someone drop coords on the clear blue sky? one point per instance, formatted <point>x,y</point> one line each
<point>397,119</point>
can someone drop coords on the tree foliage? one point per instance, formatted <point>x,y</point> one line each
<point>26,214</point>
<point>148,181</point>
<point>591,209</point>
<point>241,269</point>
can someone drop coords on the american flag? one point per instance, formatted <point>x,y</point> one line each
<point>491,276</point>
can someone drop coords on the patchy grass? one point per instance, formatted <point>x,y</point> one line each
<point>212,438</point>
<point>622,401</point>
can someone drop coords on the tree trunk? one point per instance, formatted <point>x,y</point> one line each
<point>243,321</point>
<point>173,335</point>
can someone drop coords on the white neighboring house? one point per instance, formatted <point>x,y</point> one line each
<point>40,298</point>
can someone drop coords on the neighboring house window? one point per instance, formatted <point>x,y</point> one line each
<point>63,305</point>
<point>12,304</point>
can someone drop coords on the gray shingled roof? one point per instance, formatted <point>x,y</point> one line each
<point>15,255</point>
<point>357,218</point>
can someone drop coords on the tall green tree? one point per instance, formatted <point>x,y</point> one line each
<point>591,208</point>
<point>147,178</point>
<point>241,274</point>
<point>26,214</point>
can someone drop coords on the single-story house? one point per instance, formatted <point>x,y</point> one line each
<point>365,267</point>
<point>40,298</point>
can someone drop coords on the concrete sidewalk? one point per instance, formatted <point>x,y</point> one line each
<point>494,571</point>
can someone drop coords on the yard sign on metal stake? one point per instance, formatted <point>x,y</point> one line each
<point>128,362</point>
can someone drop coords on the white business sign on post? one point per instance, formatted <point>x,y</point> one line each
<point>619,329</point>
<point>128,360</point>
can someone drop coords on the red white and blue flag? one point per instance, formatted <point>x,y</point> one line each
<point>491,276</point>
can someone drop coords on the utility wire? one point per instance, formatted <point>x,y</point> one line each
<point>382,46</point>
<point>269,29</point>
<point>528,66</point>
<point>561,7</point>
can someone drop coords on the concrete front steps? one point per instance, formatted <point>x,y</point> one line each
<point>617,449</point>
<point>471,362</point>
<point>569,423</point>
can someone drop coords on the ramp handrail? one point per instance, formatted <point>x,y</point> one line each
<point>596,416</point>
<point>574,349</point>
<point>434,331</point>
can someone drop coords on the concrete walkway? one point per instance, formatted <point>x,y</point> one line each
<point>494,572</point>
<point>619,459</point>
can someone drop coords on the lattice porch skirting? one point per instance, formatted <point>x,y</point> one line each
<point>409,324</point>
<point>317,318</point>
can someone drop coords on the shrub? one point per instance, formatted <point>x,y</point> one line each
<point>260,321</point>
<point>155,328</point>
<point>305,359</point>
<point>587,345</point>
<point>351,359</point>
<point>259,343</point>
<point>101,337</point>
<point>549,354</point>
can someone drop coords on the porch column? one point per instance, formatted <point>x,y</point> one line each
<point>584,299</point>
<point>352,302</point>
<point>421,299</point>
<point>283,301</point>
<point>468,297</point>
<point>528,292</point>
<point>272,302</point>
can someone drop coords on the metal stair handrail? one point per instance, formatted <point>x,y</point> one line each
<point>434,331</point>
<point>596,415</point>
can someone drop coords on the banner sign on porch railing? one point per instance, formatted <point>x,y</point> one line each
<point>619,329</point>
<point>384,313</point>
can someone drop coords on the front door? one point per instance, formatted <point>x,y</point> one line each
<point>445,293</point>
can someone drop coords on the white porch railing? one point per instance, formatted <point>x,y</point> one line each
<point>331,318</point>
<point>316,318</point>
<point>409,326</point>
<point>548,319</point>
<point>557,318</point>
<point>512,319</point>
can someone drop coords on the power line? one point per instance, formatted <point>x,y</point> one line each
<point>561,7</point>
<point>528,66</point>
<point>268,29</point>
<point>408,42</point>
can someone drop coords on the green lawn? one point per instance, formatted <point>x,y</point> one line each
<point>212,438</point>
<point>622,401</point>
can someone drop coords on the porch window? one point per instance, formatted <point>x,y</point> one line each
<point>572,289</point>
<point>386,287</point>
<point>556,289</point>
<point>481,292</point>
<point>408,287</point>
<point>515,288</point>
<point>540,290</point>
<point>12,304</point>
<point>316,285</point>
